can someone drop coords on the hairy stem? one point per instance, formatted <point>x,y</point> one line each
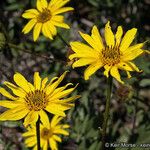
<point>38,134</point>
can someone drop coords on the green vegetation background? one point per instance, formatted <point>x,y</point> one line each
<point>130,105</point>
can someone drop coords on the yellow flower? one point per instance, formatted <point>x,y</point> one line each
<point>48,134</point>
<point>31,101</point>
<point>117,54</point>
<point>46,17</point>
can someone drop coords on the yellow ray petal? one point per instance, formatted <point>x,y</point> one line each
<point>83,62</point>
<point>28,15</point>
<point>60,24</point>
<point>9,104</point>
<point>118,35</point>
<point>53,144</point>
<point>22,82</point>
<point>45,146</point>
<point>71,99</point>
<point>7,94</point>
<point>29,26</point>
<point>57,18</point>
<point>133,52</point>
<point>61,131</point>
<point>52,86</point>
<point>36,31</point>
<point>109,36</point>
<point>56,138</point>
<point>44,82</point>
<point>84,50</point>
<point>107,69</point>
<point>31,118</point>
<point>44,118</point>
<point>32,11</point>
<point>90,41</point>
<point>46,31</point>
<point>55,120</point>
<point>39,5</point>
<point>31,141</point>
<point>92,69</point>
<point>127,39</point>
<point>44,4</point>
<point>97,38</point>
<point>16,113</point>
<point>37,81</point>
<point>51,27</point>
<point>16,90</point>
<point>54,109</point>
<point>115,73</point>
<point>62,10</point>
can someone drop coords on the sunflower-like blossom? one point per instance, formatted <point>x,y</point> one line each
<point>31,101</point>
<point>46,18</point>
<point>115,54</point>
<point>49,134</point>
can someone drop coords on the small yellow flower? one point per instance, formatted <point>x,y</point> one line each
<point>115,55</point>
<point>31,101</point>
<point>49,134</point>
<point>46,17</point>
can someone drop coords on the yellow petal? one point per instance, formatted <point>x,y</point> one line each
<point>45,146</point>
<point>44,118</point>
<point>9,104</point>
<point>46,31</point>
<point>54,109</point>
<point>51,27</point>
<point>31,141</point>
<point>83,62</point>
<point>16,90</point>
<point>70,99</point>
<point>97,38</point>
<point>109,36</point>
<point>31,118</point>
<point>55,120</point>
<point>36,31</point>
<point>84,50</point>
<point>127,39</point>
<point>51,87</point>
<point>39,5</point>
<point>92,69</point>
<point>132,52</point>
<point>22,82</point>
<point>60,24</point>
<point>115,73</point>
<point>44,4</point>
<point>57,18</point>
<point>32,11</point>
<point>16,113</point>
<point>128,74</point>
<point>57,138</point>
<point>62,10</point>
<point>61,131</point>
<point>29,26</point>
<point>37,81</point>
<point>107,69</point>
<point>53,144</point>
<point>118,35</point>
<point>7,94</point>
<point>44,81</point>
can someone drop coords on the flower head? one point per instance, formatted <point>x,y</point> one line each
<point>46,18</point>
<point>116,54</point>
<point>49,134</point>
<point>31,100</point>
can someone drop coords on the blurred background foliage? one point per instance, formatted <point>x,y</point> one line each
<point>130,105</point>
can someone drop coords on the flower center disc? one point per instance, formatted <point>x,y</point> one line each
<point>111,55</point>
<point>36,100</point>
<point>46,133</point>
<point>44,16</point>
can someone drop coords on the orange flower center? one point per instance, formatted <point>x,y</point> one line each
<point>36,100</point>
<point>44,16</point>
<point>46,133</point>
<point>111,55</point>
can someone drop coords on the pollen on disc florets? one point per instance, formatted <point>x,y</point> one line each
<point>46,133</point>
<point>111,55</point>
<point>36,100</point>
<point>44,16</point>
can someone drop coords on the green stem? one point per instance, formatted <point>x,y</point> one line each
<point>106,113</point>
<point>63,40</point>
<point>38,134</point>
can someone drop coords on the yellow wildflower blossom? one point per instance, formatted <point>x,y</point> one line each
<point>49,134</point>
<point>46,18</point>
<point>116,54</point>
<point>31,100</point>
